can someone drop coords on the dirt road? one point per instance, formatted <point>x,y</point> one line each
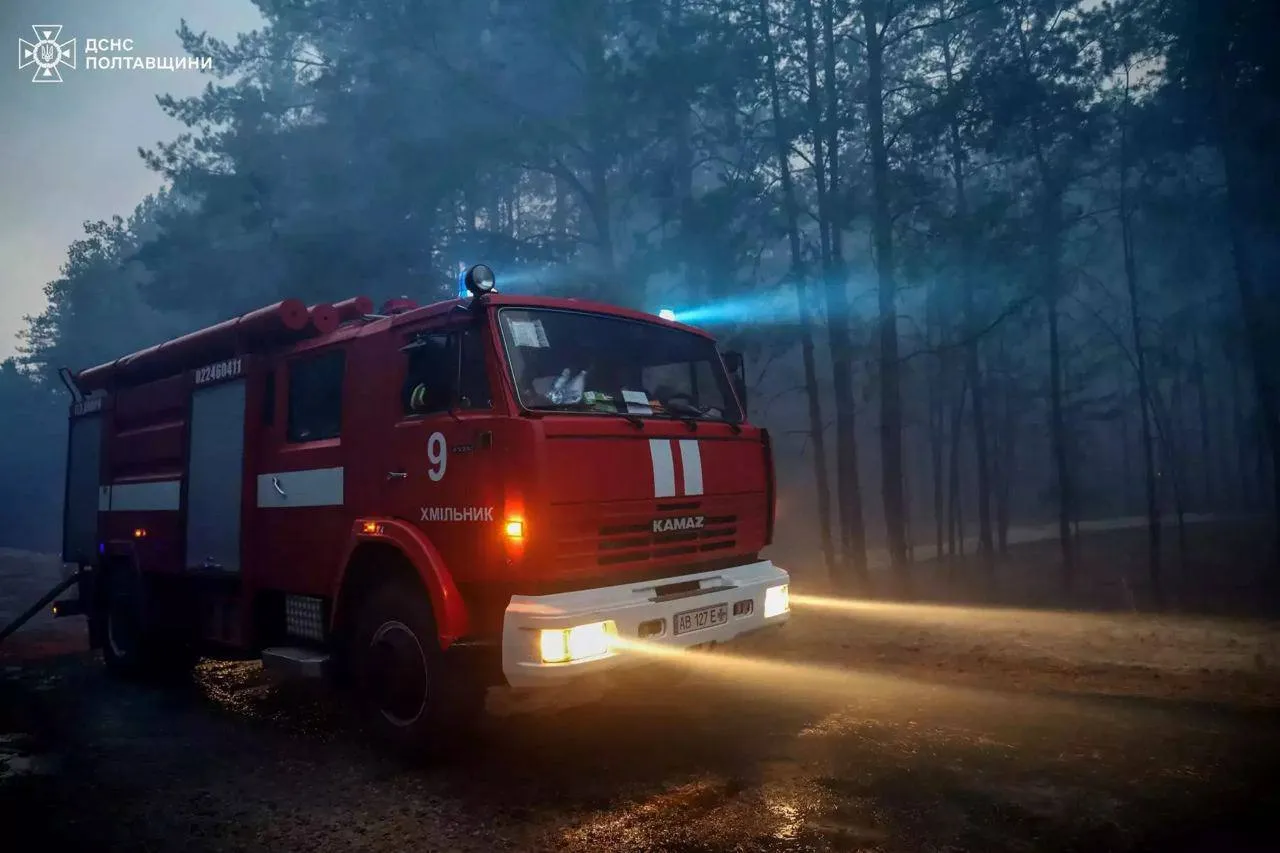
<point>870,727</point>
<point>924,746</point>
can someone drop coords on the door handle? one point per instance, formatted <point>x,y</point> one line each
<point>275,481</point>
<point>397,475</point>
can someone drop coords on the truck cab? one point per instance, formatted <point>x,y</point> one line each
<point>428,501</point>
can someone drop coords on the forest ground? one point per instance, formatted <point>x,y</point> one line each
<point>861,726</point>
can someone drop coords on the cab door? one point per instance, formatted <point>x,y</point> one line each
<point>440,474</point>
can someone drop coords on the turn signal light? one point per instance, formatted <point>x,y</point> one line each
<point>139,533</point>
<point>513,528</point>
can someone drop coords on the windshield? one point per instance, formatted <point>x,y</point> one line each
<point>577,362</point>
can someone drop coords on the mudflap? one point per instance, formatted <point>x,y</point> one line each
<point>90,603</point>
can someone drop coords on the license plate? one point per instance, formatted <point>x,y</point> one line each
<point>703,617</point>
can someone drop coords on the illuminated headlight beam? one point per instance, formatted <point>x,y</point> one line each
<point>581,642</point>
<point>777,601</point>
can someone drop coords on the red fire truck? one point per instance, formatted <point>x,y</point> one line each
<point>422,502</point>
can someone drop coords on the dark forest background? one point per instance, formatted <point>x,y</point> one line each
<point>993,262</point>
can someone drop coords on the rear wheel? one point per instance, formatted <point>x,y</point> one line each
<point>133,647</point>
<point>413,696</point>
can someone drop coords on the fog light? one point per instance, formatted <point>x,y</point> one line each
<point>651,628</point>
<point>561,645</point>
<point>777,600</point>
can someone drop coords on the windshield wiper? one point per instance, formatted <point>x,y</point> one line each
<point>581,406</point>
<point>695,413</point>
<point>687,408</point>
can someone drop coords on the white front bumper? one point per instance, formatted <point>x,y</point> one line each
<point>629,606</point>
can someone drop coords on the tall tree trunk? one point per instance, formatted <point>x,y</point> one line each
<point>852,529</point>
<point>1058,435</point>
<point>1050,214</point>
<point>973,375</point>
<point>1261,349</point>
<point>1243,487</point>
<point>1208,494</point>
<point>955,520</point>
<point>1222,429</point>
<point>599,157</point>
<point>936,428</point>
<point>1126,463</point>
<point>1174,434</point>
<point>891,462</point>
<point>1266,497</point>
<point>817,434</point>
<point>835,219</point>
<point>1140,357</point>
<point>1005,460</point>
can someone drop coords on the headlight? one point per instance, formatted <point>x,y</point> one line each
<point>561,645</point>
<point>777,600</point>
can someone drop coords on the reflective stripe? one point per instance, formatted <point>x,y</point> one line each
<point>156,496</point>
<point>310,487</point>
<point>664,468</point>
<point>691,462</point>
<point>664,471</point>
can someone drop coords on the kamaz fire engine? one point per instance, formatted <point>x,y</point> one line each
<point>422,502</point>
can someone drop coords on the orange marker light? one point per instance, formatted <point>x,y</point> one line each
<point>371,528</point>
<point>139,533</point>
<point>513,528</point>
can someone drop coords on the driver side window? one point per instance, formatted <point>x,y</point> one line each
<point>444,370</point>
<point>430,375</point>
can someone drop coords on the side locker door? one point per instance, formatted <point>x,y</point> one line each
<point>85,497</point>
<point>216,467</point>
<point>300,518</point>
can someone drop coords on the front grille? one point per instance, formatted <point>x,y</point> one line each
<point>629,536</point>
<point>624,534</point>
<point>632,543</point>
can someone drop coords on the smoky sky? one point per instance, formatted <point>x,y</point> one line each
<point>68,151</point>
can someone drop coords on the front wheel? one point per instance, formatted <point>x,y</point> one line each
<point>412,695</point>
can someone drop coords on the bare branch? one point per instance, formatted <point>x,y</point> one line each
<point>1010,310</point>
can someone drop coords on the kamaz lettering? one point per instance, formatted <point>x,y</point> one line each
<point>671,525</point>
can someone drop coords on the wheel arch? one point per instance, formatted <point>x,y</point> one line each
<point>385,549</point>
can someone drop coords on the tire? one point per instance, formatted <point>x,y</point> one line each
<point>132,648</point>
<point>414,698</point>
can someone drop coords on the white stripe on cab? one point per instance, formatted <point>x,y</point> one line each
<point>664,469</point>
<point>691,462</point>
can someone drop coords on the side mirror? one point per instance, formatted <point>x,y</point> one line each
<point>736,365</point>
